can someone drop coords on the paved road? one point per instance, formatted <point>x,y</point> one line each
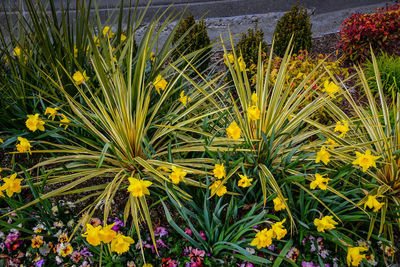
<point>223,8</point>
<point>239,15</point>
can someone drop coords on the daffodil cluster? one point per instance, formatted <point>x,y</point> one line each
<point>95,235</point>
<point>264,237</point>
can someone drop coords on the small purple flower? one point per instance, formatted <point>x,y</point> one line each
<point>308,264</point>
<point>161,231</point>
<point>271,247</point>
<point>160,243</point>
<point>12,241</point>
<point>324,253</point>
<point>118,224</point>
<point>39,263</point>
<point>86,254</point>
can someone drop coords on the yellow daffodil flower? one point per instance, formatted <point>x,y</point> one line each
<point>242,64</point>
<point>107,32</point>
<point>219,171</point>
<point>160,83</point>
<point>320,181</point>
<point>152,56</point>
<point>373,203</point>
<point>123,37</point>
<point>342,127</point>
<point>75,51</point>
<point>164,169</point>
<point>106,234</point>
<point>24,145</point>
<point>80,77</point>
<point>233,131</point>
<point>96,41</point>
<point>184,98</point>
<point>253,113</point>
<point>279,230</point>
<point>326,223</point>
<point>34,123</point>
<point>11,185</point>
<point>244,181</point>
<point>177,175</point>
<point>64,121</point>
<point>228,58</point>
<point>365,160</point>
<point>354,257</point>
<point>323,156</point>
<point>121,243</point>
<point>222,189</point>
<point>332,144</point>
<point>331,88</point>
<point>139,188</point>
<point>254,98</point>
<point>278,204</point>
<point>92,234</point>
<point>17,51</point>
<point>52,112</point>
<point>263,238</point>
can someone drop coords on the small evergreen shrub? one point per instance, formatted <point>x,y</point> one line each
<point>249,44</point>
<point>197,38</point>
<point>295,22</point>
<point>389,69</point>
<point>381,30</point>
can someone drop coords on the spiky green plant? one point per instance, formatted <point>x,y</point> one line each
<point>274,145</point>
<point>373,126</point>
<point>120,112</point>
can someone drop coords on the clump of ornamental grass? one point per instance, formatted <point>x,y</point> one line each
<point>389,70</point>
<point>269,123</point>
<point>368,139</point>
<point>128,120</point>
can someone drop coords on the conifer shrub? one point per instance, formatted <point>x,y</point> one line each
<point>249,44</point>
<point>194,37</point>
<point>295,22</point>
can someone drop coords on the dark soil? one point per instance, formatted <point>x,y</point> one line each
<point>326,45</point>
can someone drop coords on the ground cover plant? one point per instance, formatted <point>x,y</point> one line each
<point>116,154</point>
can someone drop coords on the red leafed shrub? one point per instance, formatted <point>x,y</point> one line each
<point>380,29</point>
